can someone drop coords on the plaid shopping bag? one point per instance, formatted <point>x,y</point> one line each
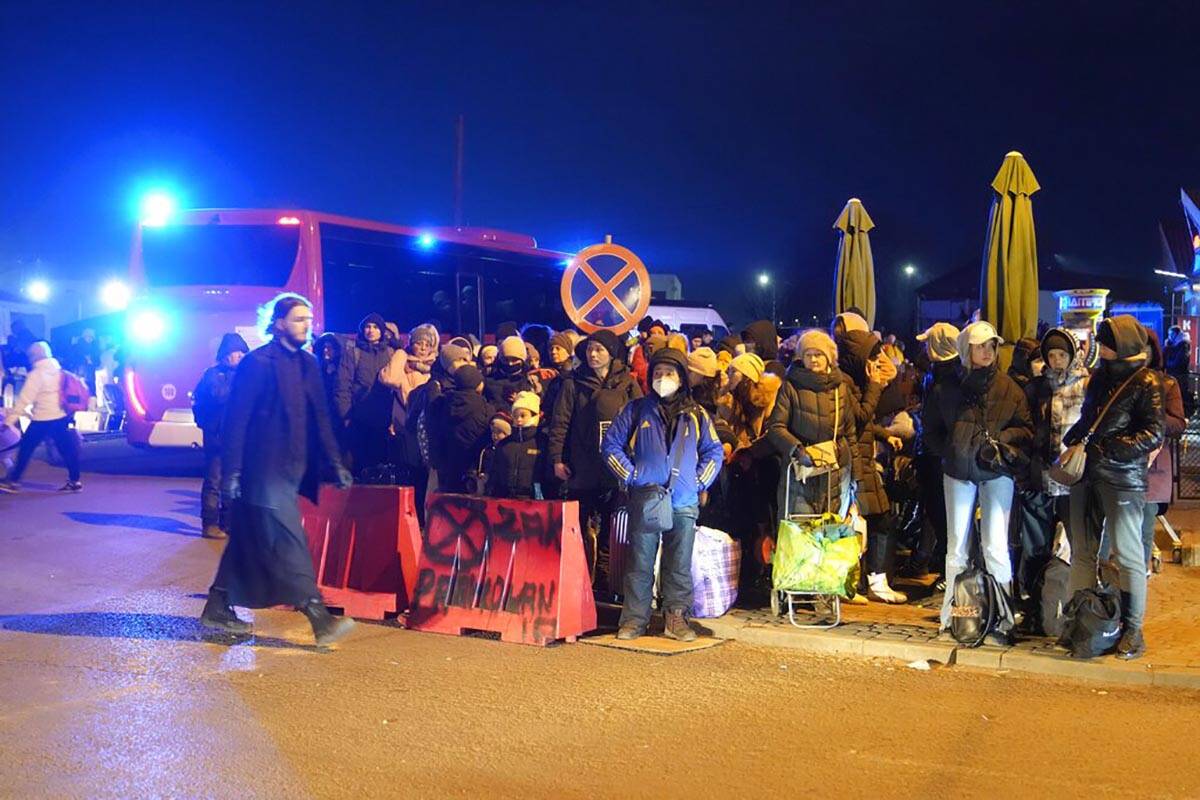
<point>716,564</point>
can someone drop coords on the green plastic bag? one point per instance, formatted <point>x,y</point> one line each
<point>816,555</point>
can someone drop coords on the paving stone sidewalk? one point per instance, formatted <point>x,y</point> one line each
<point>919,643</point>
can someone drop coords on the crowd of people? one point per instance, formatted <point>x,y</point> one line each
<point>944,457</point>
<point>912,448</point>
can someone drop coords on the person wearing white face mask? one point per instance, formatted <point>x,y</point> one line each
<point>663,443</point>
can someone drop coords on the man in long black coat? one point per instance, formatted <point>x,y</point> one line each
<point>275,433</point>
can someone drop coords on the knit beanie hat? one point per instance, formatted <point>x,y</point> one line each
<point>817,339</point>
<point>562,340</point>
<point>506,329</point>
<point>750,365</point>
<point>424,333</point>
<point>468,377</point>
<point>703,362</point>
<point>975,333</point>
<point>941,341</point>
<point>669,355</point>
<point>513,347</point>
<point>529,401</point>
<point>503,422</point>
<point>454,350</point>
<point>1059,339</point>
<point>677,341</point>
<point>609,341</point>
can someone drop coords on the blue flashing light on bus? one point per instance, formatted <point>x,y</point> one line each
<point>38,291</point>
<point>426,241</point>
<point>148,326</point>
<point>157,208</point>
<point>115,294</point>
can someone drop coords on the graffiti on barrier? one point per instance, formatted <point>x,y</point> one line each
<point>496,565</point>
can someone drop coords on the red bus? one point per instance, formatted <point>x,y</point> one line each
<point>206,272</point>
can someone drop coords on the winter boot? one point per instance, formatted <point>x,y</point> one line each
<point>879,590</point>
<point>327,628</point>
<point>219,614</point>
<point>630,632</point>
<point>1132,645</point>
<point>213,532</point>
<point>675,626</point>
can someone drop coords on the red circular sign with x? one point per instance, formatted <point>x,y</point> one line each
<point>606,287</point>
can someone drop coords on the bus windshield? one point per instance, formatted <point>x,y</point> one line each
<point>233,255</point>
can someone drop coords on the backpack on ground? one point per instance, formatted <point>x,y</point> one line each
<point>1093,621</point>
<point>73,394</point>
<point>1053,598</point>
<point>978,606</point>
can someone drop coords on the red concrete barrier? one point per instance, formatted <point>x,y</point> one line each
<point>364,542</point>
<point>513,567</point>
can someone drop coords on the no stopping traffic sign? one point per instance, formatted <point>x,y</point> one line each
<point>605,281</point>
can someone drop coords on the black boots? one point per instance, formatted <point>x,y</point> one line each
<point>327,628</point>
<point>219,614</point>
<point>1132,645</point>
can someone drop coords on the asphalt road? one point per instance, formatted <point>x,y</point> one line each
<point>109,688</point>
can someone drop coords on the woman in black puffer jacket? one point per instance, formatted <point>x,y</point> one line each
<point>982,427</point>
<point>816,404</point>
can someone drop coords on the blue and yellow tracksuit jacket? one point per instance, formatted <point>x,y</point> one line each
<point>640,431</point>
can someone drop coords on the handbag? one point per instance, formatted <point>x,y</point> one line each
<point>650,508</point>
<point>823,455</point>
<point>1068,468</point>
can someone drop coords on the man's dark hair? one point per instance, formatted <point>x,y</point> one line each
<point>284,305</point>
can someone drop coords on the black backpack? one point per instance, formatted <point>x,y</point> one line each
<point>978,606</point>
<point>1093,622</point>
<point>1053,596</point>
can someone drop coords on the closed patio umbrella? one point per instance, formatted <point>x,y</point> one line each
<point>854,283</point>
<point>1009,284</point>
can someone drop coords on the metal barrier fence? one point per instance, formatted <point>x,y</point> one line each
<point>1187,462</point>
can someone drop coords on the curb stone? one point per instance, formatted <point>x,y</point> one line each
<point>913,643</point>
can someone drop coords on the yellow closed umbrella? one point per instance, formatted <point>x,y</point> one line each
<point>1009,285</point>
<point>854,284</point>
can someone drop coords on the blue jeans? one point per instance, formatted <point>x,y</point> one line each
<point>995,498</point>
<point>675,571</point>
<point>1120,520</point>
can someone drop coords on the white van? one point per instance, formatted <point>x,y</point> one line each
<point>689,318</point>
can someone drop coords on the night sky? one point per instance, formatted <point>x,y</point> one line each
<point>713,139</point>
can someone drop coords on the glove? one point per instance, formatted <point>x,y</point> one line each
<point>344,479</point>
<point>232,488</point>
<point>801,457</point>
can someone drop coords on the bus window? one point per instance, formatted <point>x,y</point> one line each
<point>365,271</point>
<point>219,255</point>
<point>534,298</point>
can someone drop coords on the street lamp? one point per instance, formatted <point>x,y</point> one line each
<point>910,270</point>
<point>764,280</point>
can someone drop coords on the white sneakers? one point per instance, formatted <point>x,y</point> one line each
<point>879,591</point>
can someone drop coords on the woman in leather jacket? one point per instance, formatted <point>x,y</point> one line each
<point>1112,494</point>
